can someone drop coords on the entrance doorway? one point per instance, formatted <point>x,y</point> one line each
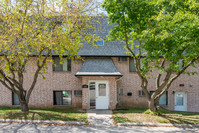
<point>99,95</point>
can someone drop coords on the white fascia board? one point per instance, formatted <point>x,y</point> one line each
<point>97,73</point>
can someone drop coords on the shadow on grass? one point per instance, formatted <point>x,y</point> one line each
<point>63,114</point>
<point>165,116</point>
<point>130,110</point>
<point>37,116</point>
<point>181,119</point>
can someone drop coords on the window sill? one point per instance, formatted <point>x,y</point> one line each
<point>62,105</point>
<point>122,61</point>
<point>78,95</point>
<point>63,71</point>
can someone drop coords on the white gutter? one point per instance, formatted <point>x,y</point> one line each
<point>97,73</point>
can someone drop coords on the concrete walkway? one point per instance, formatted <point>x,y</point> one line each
<point>34,128</point>
<point>102,118</point>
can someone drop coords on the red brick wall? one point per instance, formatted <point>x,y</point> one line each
<point>131,83</point>
<point>42,95</point>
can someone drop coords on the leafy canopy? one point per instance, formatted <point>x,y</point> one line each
<point>163,28</point>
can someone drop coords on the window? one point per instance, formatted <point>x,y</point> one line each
<point>57,66</point>
<point>163,99</point>
<point>78,92</point>
<point>15,67</point>
<point>121,91</point>
<point>122,59</point>
<point>180,64</point>
<point>15,99</point>
<point>141,93</point>
<point>132,67</point>
<point>102,89</point>
<point>62,98</point>
<point>100,42</point>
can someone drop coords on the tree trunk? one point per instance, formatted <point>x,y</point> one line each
<point>152,106</point>
<point>24,107</point>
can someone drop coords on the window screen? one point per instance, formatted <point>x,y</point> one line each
<point>62,98</point>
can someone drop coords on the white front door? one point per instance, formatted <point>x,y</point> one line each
<point>102,95</point>
<point>180,101</point>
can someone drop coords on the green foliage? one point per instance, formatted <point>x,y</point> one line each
<point>66,114</point>
<point>36,27</point>
<point>161,35</point>
<point>174,117</point>
<point>153,113</point>
<point>40,28</point>
<point>168,29</point>
<point>119,119</point>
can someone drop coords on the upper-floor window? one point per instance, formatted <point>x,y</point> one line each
<point>61,66</point>
<point>180,64</point>
<point>132,67</point>
<point>100,42</point>
<point>122,59</point>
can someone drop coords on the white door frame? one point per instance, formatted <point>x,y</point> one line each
<point>181,108</point>
<point>107,90</point>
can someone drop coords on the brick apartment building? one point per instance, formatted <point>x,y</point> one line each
<point>104,78</point>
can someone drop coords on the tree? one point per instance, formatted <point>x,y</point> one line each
<point>167,35</point>
<point>38,28</point>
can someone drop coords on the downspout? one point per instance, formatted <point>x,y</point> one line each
<point>116,94</point>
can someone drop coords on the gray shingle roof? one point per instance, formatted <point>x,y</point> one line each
<point>111,48</point>
<point>99,66</point>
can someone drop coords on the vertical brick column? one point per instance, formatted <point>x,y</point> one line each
<point>112,94</point>
<point>85,94</point>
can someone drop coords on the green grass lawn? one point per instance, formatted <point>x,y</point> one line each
<point>64,114</point>
<point>138,115</point>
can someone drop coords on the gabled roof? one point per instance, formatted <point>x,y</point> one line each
<point>111,48</point>
<point>99,66</point>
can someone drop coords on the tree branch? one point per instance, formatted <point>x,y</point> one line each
<point>39,67</point>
